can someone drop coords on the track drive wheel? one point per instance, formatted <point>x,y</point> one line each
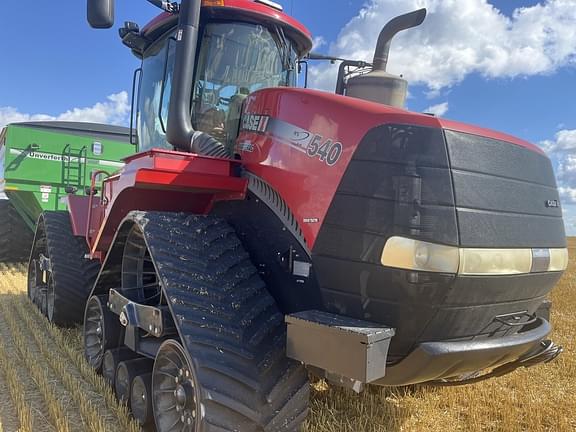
<point>15,236</point>
<point>227,370</point>
<point>58,271</point>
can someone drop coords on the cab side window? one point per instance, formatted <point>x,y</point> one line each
<point>154,98</point>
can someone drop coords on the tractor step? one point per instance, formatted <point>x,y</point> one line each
<point>342,347</point>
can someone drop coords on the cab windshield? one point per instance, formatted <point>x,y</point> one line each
<point>234,60</point>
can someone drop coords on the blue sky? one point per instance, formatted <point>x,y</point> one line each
<point>509,65</point>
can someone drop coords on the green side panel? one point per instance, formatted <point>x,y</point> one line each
<point>40,162</point>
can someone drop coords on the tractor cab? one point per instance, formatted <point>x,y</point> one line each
<point>243,46</point>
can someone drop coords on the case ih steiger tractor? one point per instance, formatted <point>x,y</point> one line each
<point>264,230</point>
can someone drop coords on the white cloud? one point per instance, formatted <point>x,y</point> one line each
<point>461,37</point>
<point>564,141</point>
<point>569,216</point>
<point>318,42</point>
<point>115,110</point>
<point>562,151</point>
<point>438,110</point>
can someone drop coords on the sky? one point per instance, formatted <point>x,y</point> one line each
<point>508,65</point>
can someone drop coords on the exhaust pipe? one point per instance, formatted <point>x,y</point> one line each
<point>378,85</point>
<point>180,132</point>
<point>391,29</point>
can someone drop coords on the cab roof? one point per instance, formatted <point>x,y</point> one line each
<point>238,10</point>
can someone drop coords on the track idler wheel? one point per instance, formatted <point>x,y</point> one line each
<point>125,374</point>
<point>141,401</point>
<point>102,330</point>
<point>112,358</point>
<point>174,389</point>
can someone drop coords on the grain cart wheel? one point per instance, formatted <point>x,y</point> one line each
<point>102,331</point>
<point>227,369</point>
<point>58,262</point>
<point>15,236</point>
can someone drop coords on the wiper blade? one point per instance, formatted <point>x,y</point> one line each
<point>283,48</point>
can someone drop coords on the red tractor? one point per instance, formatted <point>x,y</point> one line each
<point>264,230</point>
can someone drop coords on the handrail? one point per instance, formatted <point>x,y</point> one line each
<point>91,193</point>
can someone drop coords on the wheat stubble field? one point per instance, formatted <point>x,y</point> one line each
<point>45,385</point>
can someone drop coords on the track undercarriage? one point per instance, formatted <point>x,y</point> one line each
<point>187,334</point>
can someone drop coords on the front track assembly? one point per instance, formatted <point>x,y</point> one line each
<point>189,298</point>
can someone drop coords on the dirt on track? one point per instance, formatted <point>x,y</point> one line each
<point>45,385</point>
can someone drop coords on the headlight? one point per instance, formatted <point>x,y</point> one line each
<point>495,261</point>
<point>409,254</point>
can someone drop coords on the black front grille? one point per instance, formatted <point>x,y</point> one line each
<point>397,184</point>
<point>502,194</point>
<point>443,187</point>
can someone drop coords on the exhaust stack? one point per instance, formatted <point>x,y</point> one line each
<point>378,85</point>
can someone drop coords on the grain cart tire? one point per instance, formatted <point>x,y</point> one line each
<point>228,370</point>
<point>60,269</point>
<point>15,236</point>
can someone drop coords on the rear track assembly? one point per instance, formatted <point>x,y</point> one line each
<point>59,277</point>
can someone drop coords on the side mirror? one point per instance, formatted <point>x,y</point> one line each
<point>100,13</point>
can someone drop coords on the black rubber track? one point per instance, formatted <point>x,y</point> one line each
<point>73,275</point>
<point>15,236</point>
<point>229,323</point>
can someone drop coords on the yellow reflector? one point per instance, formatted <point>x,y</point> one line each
<point>212,2</point>
<point>558,259</point>
<point>495,261</point>
<point>11,188</point>
<point>400,252</point>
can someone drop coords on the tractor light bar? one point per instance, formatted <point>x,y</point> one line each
<point>409,254</point>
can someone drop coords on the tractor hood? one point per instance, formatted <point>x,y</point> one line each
<point>432,227</point>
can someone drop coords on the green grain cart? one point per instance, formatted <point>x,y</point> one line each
<point>40,162</point>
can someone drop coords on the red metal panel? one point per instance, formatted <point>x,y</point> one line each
<point>307,183</point>
<point>268,12</point>
<point>161,180</point>
<point>258,9</point>
<point>78,208</point>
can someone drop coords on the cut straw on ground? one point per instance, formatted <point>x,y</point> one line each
<point>538,399</point>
